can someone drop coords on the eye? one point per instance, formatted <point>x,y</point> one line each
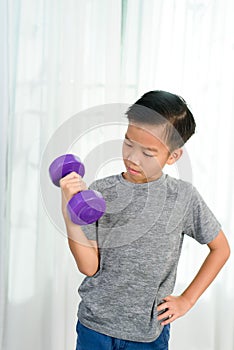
<point>127,144</point>
<point>148,155</point>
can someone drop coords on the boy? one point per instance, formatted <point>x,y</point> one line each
<point>130,255</point>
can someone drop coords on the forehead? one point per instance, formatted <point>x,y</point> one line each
<point>146,135</point>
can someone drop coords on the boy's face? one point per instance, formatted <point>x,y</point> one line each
<point>145,154</point>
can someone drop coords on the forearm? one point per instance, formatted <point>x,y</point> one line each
<point>207,273</point>
<point>84,251</point>
<point>85,254</point>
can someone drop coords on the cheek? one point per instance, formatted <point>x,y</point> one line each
<point>124,152</point>
<point>151,166</point>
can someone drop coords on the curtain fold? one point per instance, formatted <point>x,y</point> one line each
<point>4,170</point>
<point>58,58</point>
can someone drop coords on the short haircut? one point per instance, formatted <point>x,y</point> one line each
<point>169,110</point>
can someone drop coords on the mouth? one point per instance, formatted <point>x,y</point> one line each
<point>132,171</point>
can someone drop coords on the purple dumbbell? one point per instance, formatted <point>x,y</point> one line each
<point>84,207</point>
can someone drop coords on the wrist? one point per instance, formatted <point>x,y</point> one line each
<point>191,301</point>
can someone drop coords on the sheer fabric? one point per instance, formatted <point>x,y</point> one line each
<point>60,57</point>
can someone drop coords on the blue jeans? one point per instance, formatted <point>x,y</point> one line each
<point>89,339</point>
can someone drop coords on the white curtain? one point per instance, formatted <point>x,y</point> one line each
<point>60,57</point>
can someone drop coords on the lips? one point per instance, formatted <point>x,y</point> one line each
<point>133,171</point>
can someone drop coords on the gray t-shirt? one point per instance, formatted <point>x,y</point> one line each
<point>140,238</point>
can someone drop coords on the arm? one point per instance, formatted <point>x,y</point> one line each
<point>84,251</point>
<point>177,306</point>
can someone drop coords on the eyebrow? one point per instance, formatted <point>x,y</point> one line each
<point>148,148</point>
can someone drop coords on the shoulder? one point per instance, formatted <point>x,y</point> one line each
<point>181,192</point>
<point>179,186</point>
<point>189,196</point>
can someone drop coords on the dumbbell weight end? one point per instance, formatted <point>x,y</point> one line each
<point>86,207</point>
<point>63,166</point>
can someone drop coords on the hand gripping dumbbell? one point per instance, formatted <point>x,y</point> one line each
<point>86,206</point>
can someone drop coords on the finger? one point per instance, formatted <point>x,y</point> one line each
<point>77,187</point>
<point>165,315</point>
<point>168,298</point>
<point>169,320</point>
<point>72,175</point>
<point>74,181</point>
<point>67,182</point>
<point>162,307</point>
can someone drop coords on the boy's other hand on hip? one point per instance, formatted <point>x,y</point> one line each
<point>175,307</point>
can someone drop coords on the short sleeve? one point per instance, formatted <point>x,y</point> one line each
<point>199,221</point>
<point>90,230</point>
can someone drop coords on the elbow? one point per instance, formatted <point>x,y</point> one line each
<point>228,252</point>
<point>89,272</point>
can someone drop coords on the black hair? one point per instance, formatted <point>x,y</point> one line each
<point>164,108</point>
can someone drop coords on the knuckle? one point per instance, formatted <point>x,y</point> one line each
<point>74,174</point>
<point>66,185</point>
<point>62,184</point>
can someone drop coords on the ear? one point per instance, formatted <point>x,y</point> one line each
<point>174,156</point>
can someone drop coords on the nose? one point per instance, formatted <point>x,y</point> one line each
<point>133,157</point>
